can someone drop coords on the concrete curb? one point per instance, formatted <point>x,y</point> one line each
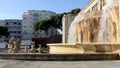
<point>119,56</point>
<point>60,57</point>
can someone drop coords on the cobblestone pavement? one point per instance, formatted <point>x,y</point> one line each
<point>59,64</point>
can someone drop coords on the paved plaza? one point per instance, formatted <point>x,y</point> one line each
<point>59,64</point>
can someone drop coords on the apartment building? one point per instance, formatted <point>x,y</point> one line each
<point>30,18</point>
<point>14,27</point>
<point>2,23</point>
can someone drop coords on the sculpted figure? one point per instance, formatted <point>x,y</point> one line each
<point>32,50</point>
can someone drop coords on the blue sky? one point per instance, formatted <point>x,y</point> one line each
<point>13,9</point>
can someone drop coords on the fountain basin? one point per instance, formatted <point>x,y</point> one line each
<point>71,52</point>
<point>63,48</point>
<point>81,48</point>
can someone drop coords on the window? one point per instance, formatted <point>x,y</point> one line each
<point>25,18</point>
<point>25,31</point>
<point>14,31</point>
<point>36,14</point>
<point>19,23</point>
<point>19,32</point>
<point>30,26</point>
<point>7,23</point>
<point>18,36</point>
<point>10,31</point>
<point>24,26</point>
<point>15,23</point>
<point>35,19</point>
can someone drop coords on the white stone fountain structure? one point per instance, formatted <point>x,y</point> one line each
<point>93,32</point>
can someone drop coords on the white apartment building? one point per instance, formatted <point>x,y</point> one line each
<point>31,17</point>
<point>2,23</point>
<point>14,27</point>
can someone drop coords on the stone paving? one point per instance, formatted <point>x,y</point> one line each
<point>59,64</point>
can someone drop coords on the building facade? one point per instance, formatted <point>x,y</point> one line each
<point>2,23</point>
<point>14,28</point>
<point>30,18</point>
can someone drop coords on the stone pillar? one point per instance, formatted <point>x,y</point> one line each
<point>83,30</point>
<point>86,35</point>
<point>95,29</point>
<point>66,22</point>
<point>78,31</point>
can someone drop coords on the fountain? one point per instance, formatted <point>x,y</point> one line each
<point>108,23</point>
<point>93,35</point>
<point>93,32</point>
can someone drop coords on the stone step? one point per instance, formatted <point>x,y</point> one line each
<point>60,57</point>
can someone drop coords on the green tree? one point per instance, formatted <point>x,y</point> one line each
<point>4,31</point>
<point>36,26</point>
<point>75,11</point>
<point>54,21</point>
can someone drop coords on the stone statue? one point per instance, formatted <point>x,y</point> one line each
<point>10,47</point>
<point>18,43</point>
<point>16,48</point>
<point>12,39</point>
<point>14,45</point>
<point>39,49</point>
<point>11,44</point>
<point>26,48</point>
<point>32,50</point>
